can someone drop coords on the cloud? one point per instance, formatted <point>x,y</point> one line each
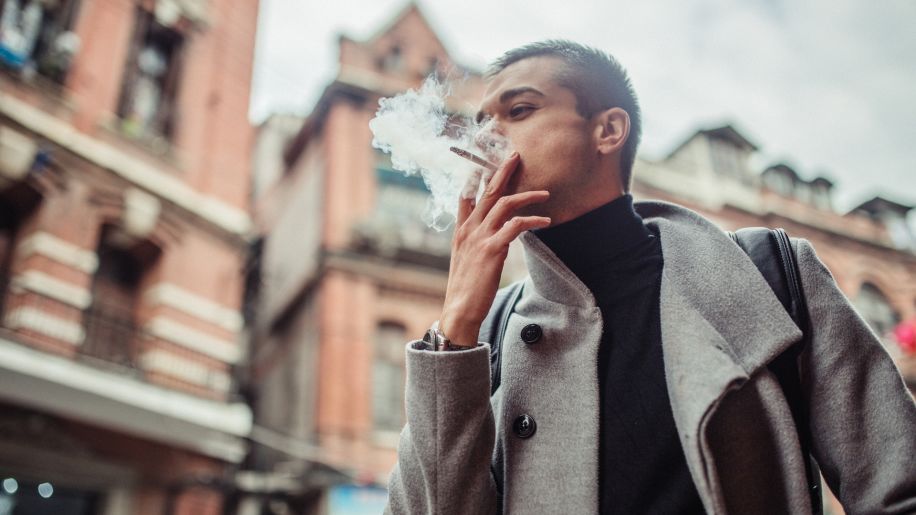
<point>826,84</point>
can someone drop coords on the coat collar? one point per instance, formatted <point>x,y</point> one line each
<point>707,274</point>
<point>551,278</point>
<point>710,291</point>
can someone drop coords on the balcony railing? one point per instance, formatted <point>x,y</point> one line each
<point>112,337</point>
<point>104,336</point>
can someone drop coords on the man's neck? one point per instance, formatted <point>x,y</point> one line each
<point>580,203</point>
<point>605,238</point>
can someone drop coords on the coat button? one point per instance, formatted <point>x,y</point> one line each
<point>532,333</point>
<point>524,426</point>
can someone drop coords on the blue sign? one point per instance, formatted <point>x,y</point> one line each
<point>357,500</point>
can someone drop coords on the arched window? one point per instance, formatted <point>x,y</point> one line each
<point>388,377</point>
<point>876,310</point>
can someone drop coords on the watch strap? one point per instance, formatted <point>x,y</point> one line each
<point>437,341</point>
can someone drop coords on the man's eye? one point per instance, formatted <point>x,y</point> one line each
<point>520,110</point>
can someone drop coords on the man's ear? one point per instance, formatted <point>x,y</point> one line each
<point>612,128</point>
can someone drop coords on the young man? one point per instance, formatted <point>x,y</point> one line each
<point>634,366</point>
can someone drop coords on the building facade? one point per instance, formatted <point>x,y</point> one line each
<point>124,229</point>
<point>348,273</point>
<point>870,250</point>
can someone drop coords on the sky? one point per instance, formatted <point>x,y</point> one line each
<point>827,86</point>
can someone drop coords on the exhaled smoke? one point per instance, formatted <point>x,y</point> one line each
<point>417,130</point>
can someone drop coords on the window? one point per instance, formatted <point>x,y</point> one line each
<point>821,197</point>
<point>803,193</point>
<point>401,197</point>
<point>109,320</point>
<point>876,310</point>
<point>17,204</point>
<point>388,377</point>
<point>726,159</point>
<point>35,35</point>
<point>148,96</point>
<point>899,232</point>
<point>398,226</point>
<point>393,60</point>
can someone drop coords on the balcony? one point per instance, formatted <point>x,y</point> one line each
<point>111,339</point>
<point>397,229</point>
<point>83,364</point>
<point>102,333</point>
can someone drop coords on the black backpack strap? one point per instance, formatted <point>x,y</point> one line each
<point>492,331</point>
<point>772,253</point>
<point>493,328</point>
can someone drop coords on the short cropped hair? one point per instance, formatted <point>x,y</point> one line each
<point>597,80</point>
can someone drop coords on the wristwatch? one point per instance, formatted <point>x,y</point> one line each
<point>439,342</point>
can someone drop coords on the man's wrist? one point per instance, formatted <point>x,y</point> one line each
<point>460,334</point>
<point>436,340</point>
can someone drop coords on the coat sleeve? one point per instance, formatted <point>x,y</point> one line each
<point>863,419</point>
<point>445,449</point>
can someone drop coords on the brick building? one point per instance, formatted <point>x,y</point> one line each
<point>349,273</point>
<point>124,215</point>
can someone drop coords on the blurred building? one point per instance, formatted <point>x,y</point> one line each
<point>271,139</point>
<point>124,215</point>
<point>870,250</point>
<point>347,272</point>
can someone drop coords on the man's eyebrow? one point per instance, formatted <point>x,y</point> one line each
<point>509,94</point>
<point>514,92</point>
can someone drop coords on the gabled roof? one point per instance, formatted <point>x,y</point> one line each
<point>315,119</point>
<point>729,133</point>
<point>787,170</point>
<point>726,132</point>
<point>410,10</point>
<point>783,169</point>
<point>822,180</point>
<point>878,205</point>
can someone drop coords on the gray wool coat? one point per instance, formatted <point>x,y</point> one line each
<point>720,325</point>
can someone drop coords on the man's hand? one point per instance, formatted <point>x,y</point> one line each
<point>479,249</point>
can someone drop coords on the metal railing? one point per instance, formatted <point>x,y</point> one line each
<point>112,337</point>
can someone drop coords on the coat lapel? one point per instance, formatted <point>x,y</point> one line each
<point>720,324</point>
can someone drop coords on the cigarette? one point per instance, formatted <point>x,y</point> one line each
<point>474,158</point>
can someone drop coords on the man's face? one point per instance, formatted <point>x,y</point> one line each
<point>525,104</point>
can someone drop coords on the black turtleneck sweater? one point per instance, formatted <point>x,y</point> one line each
<point>642,468</point>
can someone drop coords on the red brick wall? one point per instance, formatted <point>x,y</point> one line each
<point>215,135</point>
<point>105,28</point>
<point>350,187</point>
